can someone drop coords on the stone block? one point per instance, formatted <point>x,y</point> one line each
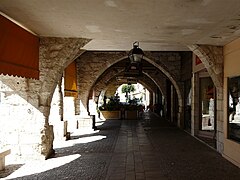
<point>3,153</point>
<point>220,126</point>
<point>220,137</point>
<point>220,147</point>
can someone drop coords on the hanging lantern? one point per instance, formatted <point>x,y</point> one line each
<point>136,54</point>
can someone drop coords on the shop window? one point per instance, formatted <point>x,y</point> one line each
<point>207,102</point>
<point>234,108</point>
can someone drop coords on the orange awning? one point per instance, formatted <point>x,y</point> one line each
<point>19,50</point>
<point>70,80</point>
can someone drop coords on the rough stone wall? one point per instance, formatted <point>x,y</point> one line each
<point>27,101</point>
<point>212,58</point>
<point>55,54</point>
<point>90,66</point>
<point>169,61</point>
<point>21,122</point>
<point>103,81</point>
<point>186,69</point>
<point>160,80</point>
<point>170,64</point>
<point>195,105</point>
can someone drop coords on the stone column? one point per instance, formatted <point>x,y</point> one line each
<point>28,101</point>
<point>220,121</point>
<point>56,112</point>
<point>195,105</point>
<point>60,101</point>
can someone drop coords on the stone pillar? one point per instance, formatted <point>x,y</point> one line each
<point>220,121</point>
<point>25,124</point>
<point>81,100</point>
<point>60,101</point>
<point>56,113</point>
<point>195,105</point>
<point>55,54</point>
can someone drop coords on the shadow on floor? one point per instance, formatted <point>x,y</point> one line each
<point>9,169</point>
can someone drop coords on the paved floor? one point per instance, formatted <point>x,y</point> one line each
<point>148,149</point>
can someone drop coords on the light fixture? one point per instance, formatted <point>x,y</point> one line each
<point>134,63</point>
<point>136,54</point>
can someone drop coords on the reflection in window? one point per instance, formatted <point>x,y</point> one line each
<point>207,103</point>
<point>234,108</point>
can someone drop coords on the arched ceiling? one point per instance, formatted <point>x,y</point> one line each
<point>116,24</point>
<point>113,84</point>
<point>114,76</point>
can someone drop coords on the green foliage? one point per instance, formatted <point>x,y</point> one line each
<point>134,101</point>
<point>128,88</point>
<point>112,105</point>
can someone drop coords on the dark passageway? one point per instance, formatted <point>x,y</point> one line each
<point>145,149</point>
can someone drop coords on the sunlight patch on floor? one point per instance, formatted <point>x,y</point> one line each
<point>33,167</point>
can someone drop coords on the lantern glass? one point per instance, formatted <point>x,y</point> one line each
<point>136,54</point>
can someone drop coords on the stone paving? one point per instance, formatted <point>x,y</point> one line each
<point>148,149</point>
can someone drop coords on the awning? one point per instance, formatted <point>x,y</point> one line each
<point>70,80</point>
<point>19,50</point>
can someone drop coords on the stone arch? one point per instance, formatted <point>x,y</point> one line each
<point>100,84</point>
<point>90,66</point>
<point>159,65</point>
<point>212,58</point>
<point>159,84</point>
<point>54,56</point>
<point>171,77</point>
<point>148,85</point>
<point>176,85</point>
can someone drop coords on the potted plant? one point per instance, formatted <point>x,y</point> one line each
<point>111,109</point>
<point>132,109</point>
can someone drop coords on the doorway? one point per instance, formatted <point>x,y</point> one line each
<point>207,111</point>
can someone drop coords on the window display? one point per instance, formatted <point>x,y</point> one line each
<point>207,103</point>
<point>234,108</point>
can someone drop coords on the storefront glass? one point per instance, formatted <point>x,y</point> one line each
<point>234,108</point>
<point>207,104</point>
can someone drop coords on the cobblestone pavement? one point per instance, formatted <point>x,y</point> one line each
<point>148,149</point>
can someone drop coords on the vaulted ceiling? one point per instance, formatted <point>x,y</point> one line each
<point>115,24</point>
